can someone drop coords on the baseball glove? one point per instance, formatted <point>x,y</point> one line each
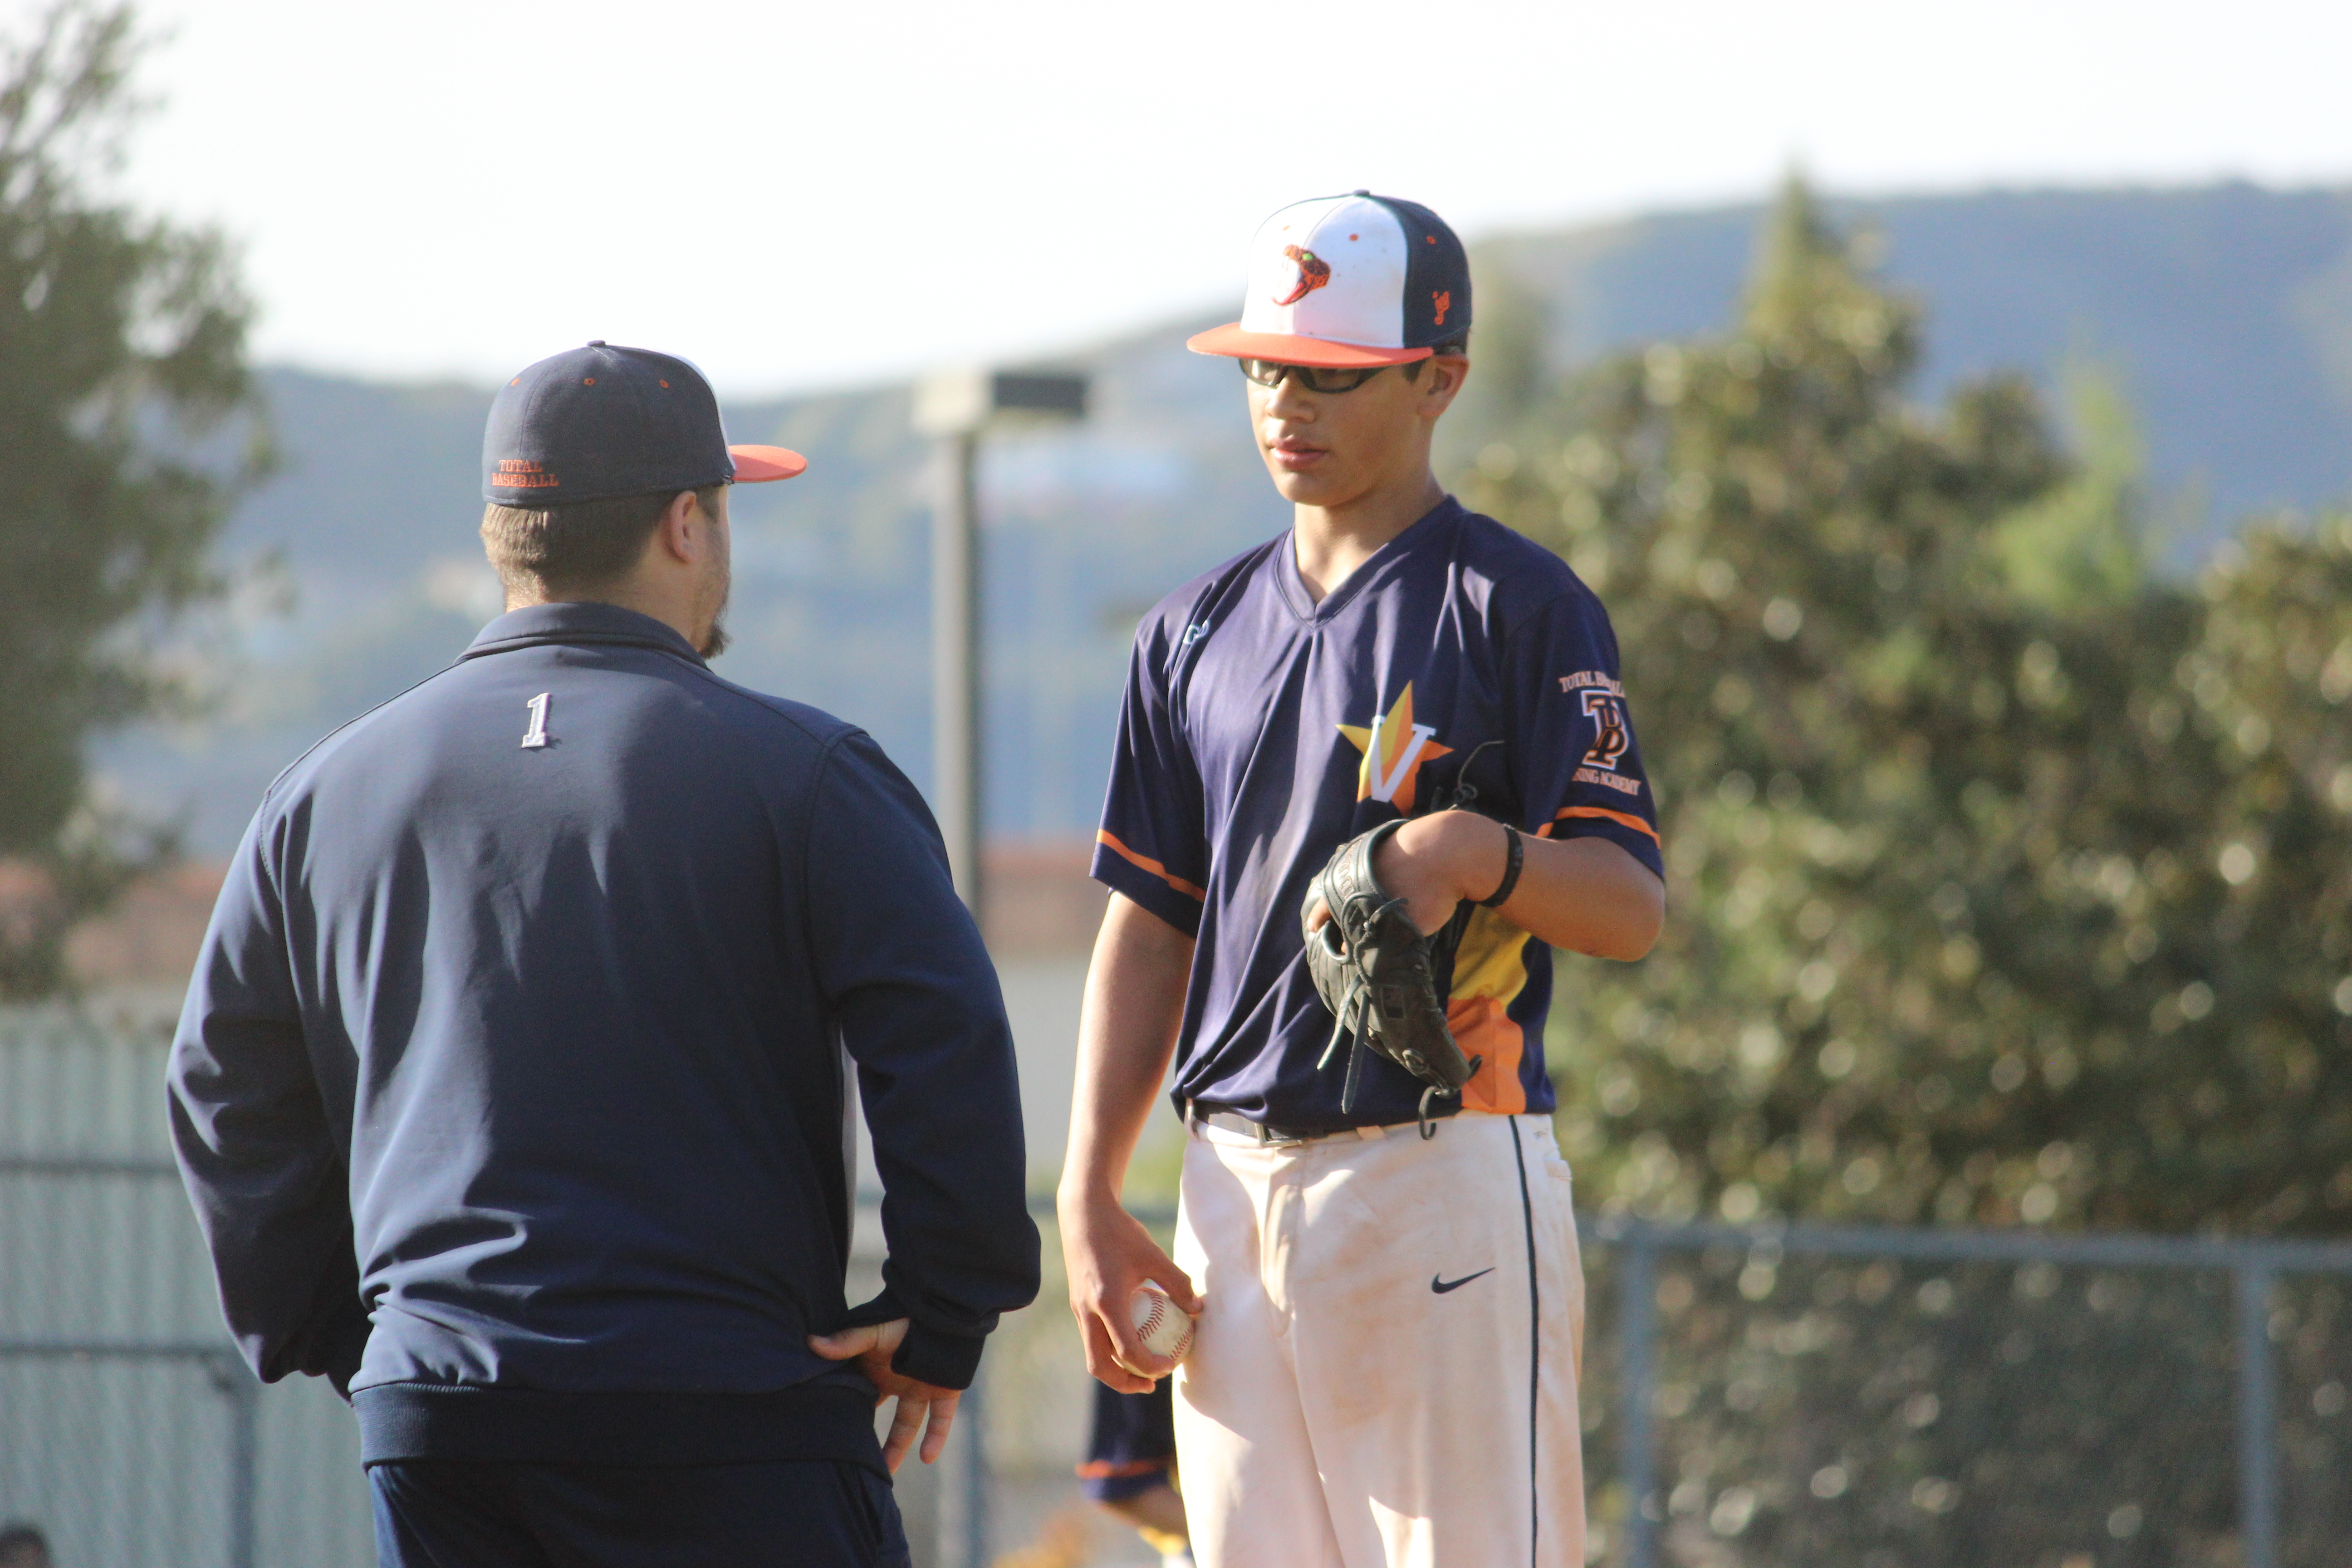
<point>1377,973</point>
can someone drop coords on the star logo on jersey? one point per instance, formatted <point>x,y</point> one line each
<point>1394,749</point>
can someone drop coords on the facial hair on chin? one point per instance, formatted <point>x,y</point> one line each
<point>715,640</point>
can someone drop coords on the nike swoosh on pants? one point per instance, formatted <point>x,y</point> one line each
<point>1442,1286</point>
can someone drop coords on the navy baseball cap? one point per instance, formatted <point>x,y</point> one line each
<point>598,421</point>
<point>1349,282</point>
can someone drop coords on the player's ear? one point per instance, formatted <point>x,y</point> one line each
<point>1440,381</point>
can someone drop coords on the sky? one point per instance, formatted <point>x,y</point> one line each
<point>811,194</point>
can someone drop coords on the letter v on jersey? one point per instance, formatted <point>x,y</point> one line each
<point>1388,780</point>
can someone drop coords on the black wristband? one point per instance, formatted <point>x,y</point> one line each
<point>1518,859</point>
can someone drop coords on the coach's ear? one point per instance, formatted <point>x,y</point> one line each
<point>683,532</point>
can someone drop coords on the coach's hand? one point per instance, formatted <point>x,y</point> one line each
<point>871,1347</point>
<point>1109,1255</point>
<point>1435,863</point>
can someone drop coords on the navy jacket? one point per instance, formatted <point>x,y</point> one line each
<point>512,1087</point>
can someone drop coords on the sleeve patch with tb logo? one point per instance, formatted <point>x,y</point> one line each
<point>1604,704</point>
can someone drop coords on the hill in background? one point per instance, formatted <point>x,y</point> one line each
<point>2224,312</point>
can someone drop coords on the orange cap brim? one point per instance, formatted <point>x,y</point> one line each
<point>1286,347</point>
<point>757,465</point>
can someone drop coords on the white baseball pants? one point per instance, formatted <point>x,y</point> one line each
<point>1386,1370</point>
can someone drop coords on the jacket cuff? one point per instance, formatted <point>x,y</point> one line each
<point>880,1309</point>
<point>943,1360</point>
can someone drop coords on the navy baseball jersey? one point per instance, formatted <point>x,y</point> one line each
<point>1261,729</point>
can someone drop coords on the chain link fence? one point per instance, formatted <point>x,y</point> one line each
<point>130,1434</point>
<point>1916,1398</point>
<point>1876,1398</point>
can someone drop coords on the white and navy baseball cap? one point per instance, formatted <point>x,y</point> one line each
<point>599,421</point>
<point>1349,282</point>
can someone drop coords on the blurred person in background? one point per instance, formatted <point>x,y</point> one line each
<point>512,1087</point>
<point>1130,1469</point>
<point>22,1546</point>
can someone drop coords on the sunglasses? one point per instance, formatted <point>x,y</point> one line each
<point>1314,377</point>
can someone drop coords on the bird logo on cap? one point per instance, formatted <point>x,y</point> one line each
<point>1313,273</point>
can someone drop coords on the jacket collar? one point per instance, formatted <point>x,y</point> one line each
<point>576,622</point>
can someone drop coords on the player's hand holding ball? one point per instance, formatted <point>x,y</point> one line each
<point>1113,1262</point>
<point>1165,1328</point>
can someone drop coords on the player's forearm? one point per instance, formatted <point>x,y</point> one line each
<point>1134,1003</point>
<point>1589,896</point>
<point>1586,895</point>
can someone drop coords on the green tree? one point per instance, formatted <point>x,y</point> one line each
<point>122,383</point>
<point>1963,924</point>
<point>2008,882</point>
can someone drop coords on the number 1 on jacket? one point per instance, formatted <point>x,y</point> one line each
<point>535,736</point>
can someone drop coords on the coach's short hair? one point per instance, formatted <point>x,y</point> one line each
<point>572,549</point>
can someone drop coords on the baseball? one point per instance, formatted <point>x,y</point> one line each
<point>1166,1328</point>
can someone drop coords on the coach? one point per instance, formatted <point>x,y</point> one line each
<point>513,1085</point>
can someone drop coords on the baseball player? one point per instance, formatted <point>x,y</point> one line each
<point>1373,1211</point>
<point>512,1086</point>
<point>1130,1469</point>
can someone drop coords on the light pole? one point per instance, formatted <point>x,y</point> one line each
<point>957,407</point>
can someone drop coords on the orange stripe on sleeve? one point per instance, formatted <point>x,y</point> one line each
<point>1154,866</point>
<point>1622,819</point>
<point>1118,1470</point>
